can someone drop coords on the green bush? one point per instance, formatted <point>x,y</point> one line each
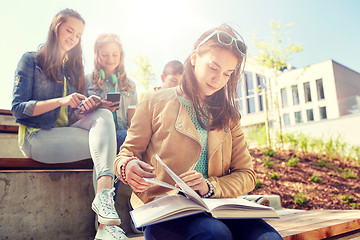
<point>315,178</point>
<point>323,163</point>
<point>269,152</point>
<point>274,175</point>
<point>293,161</point>
<point>258,184</point>
<point>300,198</point>
<point>348,173</point>
<point>268,163</point>
<point>347,199</point>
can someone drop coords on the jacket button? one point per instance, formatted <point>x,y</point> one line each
<point>179,125</point>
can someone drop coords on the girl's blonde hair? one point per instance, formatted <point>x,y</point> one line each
<point>123,81</point>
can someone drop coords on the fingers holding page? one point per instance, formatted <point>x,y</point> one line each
<point>196,181</point>
<point>136,170</point>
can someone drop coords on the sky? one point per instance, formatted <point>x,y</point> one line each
<point>165,30</point>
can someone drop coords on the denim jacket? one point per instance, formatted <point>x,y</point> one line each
<point>30,86</point>
<point>127,98</point>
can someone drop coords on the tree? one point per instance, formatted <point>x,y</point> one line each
<point>144,72</point>
<point>275,54</point>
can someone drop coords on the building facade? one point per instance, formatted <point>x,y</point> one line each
<point>306,97</point>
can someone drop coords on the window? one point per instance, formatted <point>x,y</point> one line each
<point>250,100</point>
<point>240,105</point>
<point>307,92</point>
<point>249,84</point>
<point>239,89</point>
<point>320,89</point>
<point>261,85</point>
<point>298,118</point>
<point>284,101</point>
<point>310,115</point>
<point>295,95</point>
<point>239,100</point>
<point>251,105</point>
<point>286,119</point>
<point>323,114</point>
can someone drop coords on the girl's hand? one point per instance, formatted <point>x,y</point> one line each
<point>196,181</point>
<point>73,100</point>
<point>90,103</point>
<point>135,171</point>
<point>112,106</point>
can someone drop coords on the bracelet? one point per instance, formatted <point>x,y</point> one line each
<point>211,189</point>
<point>122,167</point>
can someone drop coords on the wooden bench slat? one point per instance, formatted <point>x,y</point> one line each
<point>316,224</point>
<point>9,128</point>
<point>28,163</point>
<point>5,112</point>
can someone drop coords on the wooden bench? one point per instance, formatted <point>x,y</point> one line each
<point>315,225</point>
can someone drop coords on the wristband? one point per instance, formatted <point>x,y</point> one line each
<point>211,189</point>
<point>122,168</point>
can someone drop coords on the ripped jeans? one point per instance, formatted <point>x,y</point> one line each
<point>90,137</point>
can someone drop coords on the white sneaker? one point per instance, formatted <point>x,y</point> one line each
<point>110,232</point>
<point>104,206</point>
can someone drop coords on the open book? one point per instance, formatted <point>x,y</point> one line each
<point>175,206</point>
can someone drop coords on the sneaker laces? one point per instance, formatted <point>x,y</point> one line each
<point>108,199</point>
<point>115,231</point>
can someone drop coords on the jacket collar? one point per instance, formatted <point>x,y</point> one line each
<point>185,125</point>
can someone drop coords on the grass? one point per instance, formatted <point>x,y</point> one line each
<point>297,141</point>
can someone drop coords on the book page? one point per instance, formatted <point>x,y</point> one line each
<point>231,203</point>
<point>161,183</point>
<point>163,209</point>
<point>191,194</point>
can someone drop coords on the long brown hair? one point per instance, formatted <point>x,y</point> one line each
<point>123,81</point>
<point>221,106</point>
<point>49,54</point>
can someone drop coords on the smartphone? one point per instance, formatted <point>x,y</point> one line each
<point>113,97</point>
<point>97,99</point>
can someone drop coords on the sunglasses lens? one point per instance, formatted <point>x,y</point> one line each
<point>241,46</point>
<point>225,38</point>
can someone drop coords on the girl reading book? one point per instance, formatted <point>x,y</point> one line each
<point>195,129</point>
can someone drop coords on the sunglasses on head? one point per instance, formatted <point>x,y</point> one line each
<point>226,39</point>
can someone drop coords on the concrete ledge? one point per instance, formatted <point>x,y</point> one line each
<point>52,204</point>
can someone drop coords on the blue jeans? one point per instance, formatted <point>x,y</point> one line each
<point>90,137</point>
<point>204,227</point>
<point>120,138</point>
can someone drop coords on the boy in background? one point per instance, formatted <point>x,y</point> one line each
<point>171,76</point>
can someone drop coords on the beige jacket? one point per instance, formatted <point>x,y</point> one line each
<point>162,125</point>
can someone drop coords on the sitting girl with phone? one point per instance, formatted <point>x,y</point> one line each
<point>108,78</point>
<point>48,89</point>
